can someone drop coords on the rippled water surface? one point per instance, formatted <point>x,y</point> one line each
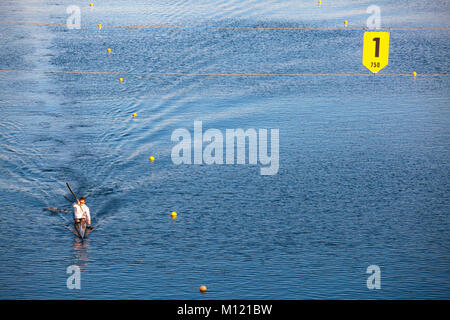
<point>364,160</point>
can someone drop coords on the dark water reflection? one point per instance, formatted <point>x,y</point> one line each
<point>80,251</point>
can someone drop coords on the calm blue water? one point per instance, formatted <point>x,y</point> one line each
<point>364,161</point>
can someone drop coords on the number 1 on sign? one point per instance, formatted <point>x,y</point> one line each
<point>375,50</point>
<point>377,47</point>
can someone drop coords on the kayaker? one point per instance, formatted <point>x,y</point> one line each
<point>81,212</point>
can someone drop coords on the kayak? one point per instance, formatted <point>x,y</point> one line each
<point>80,227</point>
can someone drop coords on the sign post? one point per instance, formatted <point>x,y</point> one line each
<point>375,50</point>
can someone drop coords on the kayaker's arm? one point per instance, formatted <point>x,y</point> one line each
<point>88,215</point>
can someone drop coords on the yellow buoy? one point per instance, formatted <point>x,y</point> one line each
<point>414,74</point>
<point>173,214</point>
<point>134,114</point>
<point>91,4</point>
<point>202,289</point>
<point>121,80</point>
<point>345,23</point>
<point>152,158</point>
<point>109,50</point>
<point>320,2</point>
<point>99,26</point>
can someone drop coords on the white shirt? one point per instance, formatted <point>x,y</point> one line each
<point>81,212</point>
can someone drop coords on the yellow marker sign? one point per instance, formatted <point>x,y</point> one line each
<point>375,50</point>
